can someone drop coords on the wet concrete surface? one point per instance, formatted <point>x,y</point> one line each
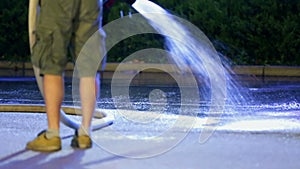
<point>224,149</point>
<point>237,143</point>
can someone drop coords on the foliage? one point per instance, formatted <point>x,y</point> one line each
<point>256,32</point>
<point>131,44</point>
<point>14,35</point>
<point>248,32</point>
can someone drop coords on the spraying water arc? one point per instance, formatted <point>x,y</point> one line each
<point>191,48</point>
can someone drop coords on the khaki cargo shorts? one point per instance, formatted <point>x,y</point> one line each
<point>64,26</point>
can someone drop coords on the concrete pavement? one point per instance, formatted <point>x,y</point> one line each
<point>224,150</point>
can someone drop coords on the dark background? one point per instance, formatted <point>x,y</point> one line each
<point>249,32</point>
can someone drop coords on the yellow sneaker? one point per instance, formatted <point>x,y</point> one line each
<point>82,142</point>
<point>41,143</point>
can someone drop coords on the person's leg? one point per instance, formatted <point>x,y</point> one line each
<point>89,89</point>
<point>86,26</point>
<point>88,94</point>
<point>55,30</point>
<point>49,140</point>
<point>49,54</point>
<point>53,96</point>
<point>88,59</point>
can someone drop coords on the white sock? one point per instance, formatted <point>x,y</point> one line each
<point>84,131</point>
<point>50,133</point>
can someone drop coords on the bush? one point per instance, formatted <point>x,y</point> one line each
<point>14,44</point>
<point>248,32</point>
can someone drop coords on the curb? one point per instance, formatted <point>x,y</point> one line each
<point>156,77</point>
<point>37,108</point>
<point>16,69</point>
<point>268,70</point>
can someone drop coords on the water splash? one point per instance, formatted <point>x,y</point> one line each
<point>191,49</point>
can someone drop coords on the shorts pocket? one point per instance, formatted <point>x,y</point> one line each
<point>42,49</point>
